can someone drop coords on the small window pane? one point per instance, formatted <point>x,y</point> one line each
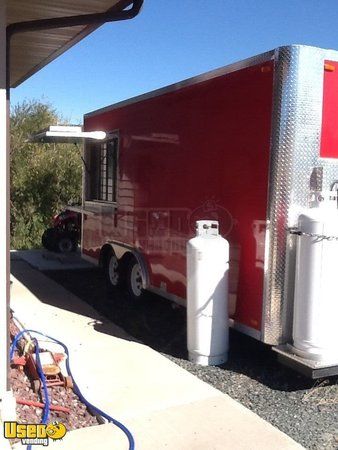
<point>108,171</point>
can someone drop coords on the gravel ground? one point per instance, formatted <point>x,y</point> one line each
<point>305,409</point>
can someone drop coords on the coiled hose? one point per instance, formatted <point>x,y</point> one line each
<point>76,389</point>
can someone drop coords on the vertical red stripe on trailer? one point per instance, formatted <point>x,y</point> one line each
<point>329,138</point>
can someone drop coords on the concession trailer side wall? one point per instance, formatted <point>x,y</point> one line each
<point>245,145</point>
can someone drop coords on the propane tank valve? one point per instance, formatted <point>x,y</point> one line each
<point>209,227</point>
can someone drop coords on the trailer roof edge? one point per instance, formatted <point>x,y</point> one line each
<point>266,56</point>
<point>262,57</point>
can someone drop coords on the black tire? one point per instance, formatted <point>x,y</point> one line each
<point>48,239</point>
<point>65,242</point>
<point>133,281</point>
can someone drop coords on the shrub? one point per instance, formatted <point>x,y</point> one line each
<point>44,177</point>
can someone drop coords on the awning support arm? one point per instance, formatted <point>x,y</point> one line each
<point>116,13</point>
<point>113,14</point>
<point>82,158</point>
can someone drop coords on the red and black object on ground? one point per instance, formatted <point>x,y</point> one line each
<point>53,372</point>
<point>64,403</point>
<point>64,236</point>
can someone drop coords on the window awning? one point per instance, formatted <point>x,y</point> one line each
<point>32,50</point>
<point>62,134</point>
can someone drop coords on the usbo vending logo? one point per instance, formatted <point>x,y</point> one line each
<point>33,434</point>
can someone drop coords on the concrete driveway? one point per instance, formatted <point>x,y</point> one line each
<point>163,405</point>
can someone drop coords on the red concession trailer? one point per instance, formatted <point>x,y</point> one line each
<point>244,145</point>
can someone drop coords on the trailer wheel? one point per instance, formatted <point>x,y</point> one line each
<point>112,270</point>
<point>134,280</point>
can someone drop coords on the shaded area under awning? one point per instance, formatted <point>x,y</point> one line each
<point>32,50</point>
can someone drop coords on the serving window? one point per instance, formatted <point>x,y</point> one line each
<point>104,171</point>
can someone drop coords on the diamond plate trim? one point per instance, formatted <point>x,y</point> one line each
<point>295,149</point>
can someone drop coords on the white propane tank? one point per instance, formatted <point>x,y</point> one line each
<point>315,322</point>
<point>207,295</point>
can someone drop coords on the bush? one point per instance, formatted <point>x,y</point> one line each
<point>44,177</point>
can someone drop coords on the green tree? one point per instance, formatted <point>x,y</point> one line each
<point>44,177</point>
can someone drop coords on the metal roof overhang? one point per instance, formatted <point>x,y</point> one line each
<point>32,50</point>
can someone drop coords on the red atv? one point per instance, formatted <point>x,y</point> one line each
<point>65,234</point>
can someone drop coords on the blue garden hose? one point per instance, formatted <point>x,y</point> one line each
<point>76,388</point>
<point>46,409</point>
